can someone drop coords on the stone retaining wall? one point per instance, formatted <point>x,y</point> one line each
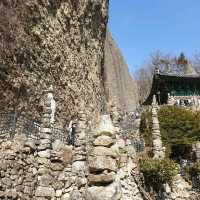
<point>101,171</point>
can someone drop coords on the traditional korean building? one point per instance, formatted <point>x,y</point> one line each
<point>175,89</point>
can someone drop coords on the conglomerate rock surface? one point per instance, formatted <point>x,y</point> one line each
<point>60,43</point>
<point>120,87</point>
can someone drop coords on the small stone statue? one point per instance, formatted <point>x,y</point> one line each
<point>182,102</point>
<point>52,103</point>
<point>154,100</point>
<point>171,100</point>
<point>72,130</point>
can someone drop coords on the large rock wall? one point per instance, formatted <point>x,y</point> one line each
<point>61,43</point>
<point>121,89</point>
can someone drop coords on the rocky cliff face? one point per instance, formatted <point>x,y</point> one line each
<point>119,85</point>
<point>59,43</point>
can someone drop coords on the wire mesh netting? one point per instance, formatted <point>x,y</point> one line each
<point>15,123</point>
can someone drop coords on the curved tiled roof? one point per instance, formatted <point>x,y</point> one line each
<point>179,75</point>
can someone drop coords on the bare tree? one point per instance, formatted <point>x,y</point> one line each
<point>144,79</point>
<point>196,61</point>
<point>165,62</point>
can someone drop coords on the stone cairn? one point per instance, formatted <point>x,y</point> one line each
<point>46,131</point>
<point>158,149</point>
<point>101,157</point>
<point>110,166</point>
<point>196,150</point>
<point>62,169</point>
<point>171,101</point>
<point>44,150</point>
<point>79,163</point>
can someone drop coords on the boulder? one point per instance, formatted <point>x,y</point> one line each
<point>31,144</point>
<point>80,182</point>
<point>66,196</point>
<point>103,140</point>
<point>44,154</point>
<point>44,192</point>
<point>121,143</point>
<point>57,145</point>
<point>75,195</point>
<point>67,155</point>
<point>58,193</point>
<point>103,151</point>
<point>44,146</point>
<point>58,185</point>
<point>105,126</point>
<point>45,180</point>
<point>101,179</point>
<point>79,167</point>
<point>57,166</point>
<point>112,191</point>
<point>101,163</point>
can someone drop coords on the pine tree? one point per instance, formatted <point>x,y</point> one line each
<point>182,60</point>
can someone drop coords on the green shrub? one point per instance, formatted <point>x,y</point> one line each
<point>157,172</point>
<point>178,125</point>
<point>179,128</point>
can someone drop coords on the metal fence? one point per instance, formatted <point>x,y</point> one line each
<point>7,124</point>
<point>130,129</point>
<point>61,134</point>
<point>27,126</point>
<point>139,145</point>
<point>15,123</point>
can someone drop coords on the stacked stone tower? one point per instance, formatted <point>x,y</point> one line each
<point>158,148</point>
<point>44,151</point>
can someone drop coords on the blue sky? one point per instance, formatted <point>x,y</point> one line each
<point>140,27</point>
